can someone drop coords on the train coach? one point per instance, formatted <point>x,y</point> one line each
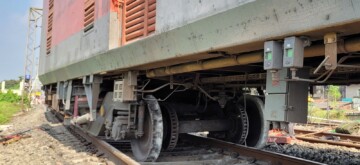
<point>151,70</point>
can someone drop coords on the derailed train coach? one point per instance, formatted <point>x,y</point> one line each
<point>150,70</point>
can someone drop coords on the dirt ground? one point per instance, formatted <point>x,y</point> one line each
<point>48,142</point>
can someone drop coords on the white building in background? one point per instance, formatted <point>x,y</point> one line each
<point>352,91</point>
<point>16,91</point>
<point>349,93</point>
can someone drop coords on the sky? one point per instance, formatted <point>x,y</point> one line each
<point>13,35</point>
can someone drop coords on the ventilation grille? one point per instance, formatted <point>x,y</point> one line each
<point>89,14</point>
<point>118,90</point>
<point>50,26</point>
<point>139,19</point>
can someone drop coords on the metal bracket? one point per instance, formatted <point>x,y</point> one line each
<point>289,108</point>
<point>141,114</point>
<point>330,41</point>
<point>92,90</point>
<point>133,108</point>
<point>197,79</point>
<point>171,82</point>
<point>68,95</point>
<point>59,91</point>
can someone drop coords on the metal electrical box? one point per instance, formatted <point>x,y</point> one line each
<point>293,52</point>
<point>273,56</point>
<point>124,89</point>
<point>286,100</point>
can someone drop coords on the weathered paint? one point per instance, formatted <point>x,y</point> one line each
<point>69,16</point>
<point>232,30</point>
<point>80,45</point>
<point>69,13</point>
<point>175,14</point>
<point>70,43</point>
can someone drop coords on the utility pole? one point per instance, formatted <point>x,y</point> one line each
<point>31,58</point>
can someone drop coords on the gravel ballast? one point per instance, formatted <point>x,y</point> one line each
<point>323,153</point>
<point>49,143</point>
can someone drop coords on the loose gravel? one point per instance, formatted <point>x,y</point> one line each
<point>323,153</point>
<point>50,143</point>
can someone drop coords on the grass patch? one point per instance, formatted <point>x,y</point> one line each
<point>334,114</point>
<point>7,110</point>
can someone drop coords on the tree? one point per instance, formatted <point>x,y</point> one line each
<point>13,84</point>
<point>334,93</point>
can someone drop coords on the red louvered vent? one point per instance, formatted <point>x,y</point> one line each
<point>49,26</point>
<point>89,14</point>
<point>139,19</point>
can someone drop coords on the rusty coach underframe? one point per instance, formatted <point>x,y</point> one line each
<point>235,74</point>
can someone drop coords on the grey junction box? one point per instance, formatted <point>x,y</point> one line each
<point>293,52</point>
<point>273,56</point>
<point>286,100</point>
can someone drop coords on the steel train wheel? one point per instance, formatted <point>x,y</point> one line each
<point>248,124</point>
<point>258,127</point>
<point>148,147</point>
<point>239,123</point>
<point>171,127</point>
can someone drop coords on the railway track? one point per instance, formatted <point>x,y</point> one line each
<point>196,150</point>
<point>323,124</point>
<point>329,138</point>
<point>112,153</point>
<point>192,149</point>
<point>256,155</point>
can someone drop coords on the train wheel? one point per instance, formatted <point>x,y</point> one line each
<point>248,126</point>
<point>258,127</point>
<point>148,147</point>
<point>171,127</point>
<point>239,123</point>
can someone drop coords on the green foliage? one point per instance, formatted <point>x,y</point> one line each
<point>12,84</point>
<point>348,128</point>
<point>331,114</point>
<point>7,110</point>
<point>10,103</point>
<point>14,87</point>
<point>334,93</point>
<point>11,97</point>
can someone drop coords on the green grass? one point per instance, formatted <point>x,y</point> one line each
<point>335,114</point>
<point>7,110</point>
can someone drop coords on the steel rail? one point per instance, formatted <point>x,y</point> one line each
<point>113,154</point>
<point>314,140</point>
<point>271,157</point>
<point>343,137</point>
<point>322,124</point>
